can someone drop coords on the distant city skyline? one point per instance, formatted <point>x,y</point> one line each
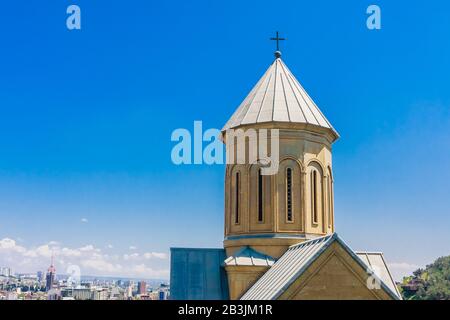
<point>86,118</point>
<point>87,258</point>
<point>54,287</point>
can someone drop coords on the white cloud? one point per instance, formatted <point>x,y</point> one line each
<point>67,252</point>
<point>402,269</point>
<point>101,265</point>
<point>144,271</point>
<point>91,260</point>
<point>158,255</point>
<point>110,246</point>
<point>84,220</point>
<point>89,248</point>
<point>403,266</point>
<point>7,243</point>
<point>133,256</point>
<point>44,251</point>
<point>30,253</point>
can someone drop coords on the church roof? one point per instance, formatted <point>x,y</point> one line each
<point>278,97</point>
<point>376,262</point>
<point>296,261</point>
<point>249,257</point>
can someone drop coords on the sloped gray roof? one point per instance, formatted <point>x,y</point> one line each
<point>249,257</point>
<point>278,97</point>
<point>376,262</point>
<point>293,263</point>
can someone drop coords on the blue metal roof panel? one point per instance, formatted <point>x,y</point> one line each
<point>197,274</point>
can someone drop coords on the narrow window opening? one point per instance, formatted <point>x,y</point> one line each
<point>236,216</point>
<point>330,199</point>
<point>329,203</point>
<point>289,194</point>
<point>260,197</point>
<point>314,195</point>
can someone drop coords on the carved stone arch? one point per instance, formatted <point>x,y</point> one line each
<point>237,202</point>
<point>260,199</point>
<point>330,199</point>
<point>300,164</point>
<point>317,162</point>
<point>290,195</point>
<point>254,163</point>
<point>230,168</point>
<point>330,173</point>
<point>293,161</point>
<point>316,195</point>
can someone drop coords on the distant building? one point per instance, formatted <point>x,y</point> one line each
<point>142,287</point>
<point>40,276</point>
<point>129,292</point>
<point>6,272</point>
<point>50,277</point>
<point>162,295</point>
<point>412,287</point>
<point>115,294</point>
<point>11,296</point>
<point>84,294</point>
<point>53,294</point>
<point>99,294</point>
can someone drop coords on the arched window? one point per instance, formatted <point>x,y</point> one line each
<point>314,195</point>
<point>260,197</point>
<point>330,198</point>
<point>238,196</point>
<point>289,194</point>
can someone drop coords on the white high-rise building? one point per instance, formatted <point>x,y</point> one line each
<point>6,271</point>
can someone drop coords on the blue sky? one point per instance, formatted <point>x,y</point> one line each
<point>86,118</point>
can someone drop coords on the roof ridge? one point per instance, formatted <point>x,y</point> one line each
<point>264,97</point>
<point>245,103</point>
<point>274,88</point>
<point>288,77</point>
<point>333,235</point>
<point>285,98</point>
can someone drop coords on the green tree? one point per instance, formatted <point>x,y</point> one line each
<point>431,283</point>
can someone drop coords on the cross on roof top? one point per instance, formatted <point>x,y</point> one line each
<point>278,39</point>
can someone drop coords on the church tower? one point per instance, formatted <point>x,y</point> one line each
<point>279,242</point>
<point>265,214</point>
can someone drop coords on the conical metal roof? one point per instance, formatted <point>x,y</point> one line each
<point>278,97</point>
